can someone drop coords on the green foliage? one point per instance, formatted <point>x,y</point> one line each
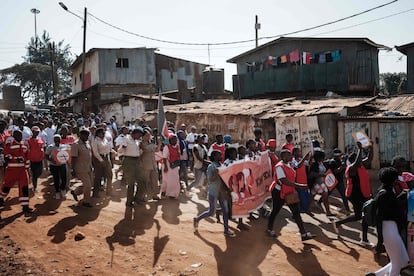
<point>393,83</point>
<point>34,75</point>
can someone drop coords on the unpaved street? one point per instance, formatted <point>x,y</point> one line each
<point>157,239</point>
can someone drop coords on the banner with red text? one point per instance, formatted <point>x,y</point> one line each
<point>248,181</point>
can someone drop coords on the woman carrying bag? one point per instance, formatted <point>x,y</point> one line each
<point>283,191</point>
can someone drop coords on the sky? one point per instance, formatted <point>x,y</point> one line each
<point>204,22</point>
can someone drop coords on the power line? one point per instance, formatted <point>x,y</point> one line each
<point>240,41</point>
<point>366,22</point>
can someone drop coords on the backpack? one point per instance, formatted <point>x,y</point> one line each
<point>370,210</point>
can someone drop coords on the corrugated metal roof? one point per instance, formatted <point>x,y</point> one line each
<point>92,50</point>
<point>78,60</point>
<point>402,105</point>
<point>403,48</point>
<point>267,109</point>
<point>282,39</point>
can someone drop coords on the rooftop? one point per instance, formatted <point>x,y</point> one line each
<point>283,39</point>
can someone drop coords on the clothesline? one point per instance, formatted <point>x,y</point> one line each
<point>295,57</point>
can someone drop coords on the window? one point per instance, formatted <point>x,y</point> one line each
<point>122,63</point>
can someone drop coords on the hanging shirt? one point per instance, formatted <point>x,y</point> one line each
<point>322,58</point>
<point>294,56</point>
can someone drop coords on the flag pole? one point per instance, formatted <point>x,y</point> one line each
<point>161,120</point>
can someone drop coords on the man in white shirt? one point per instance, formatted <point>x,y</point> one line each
<point>204,133</point>
<point>101,150</point>
<point>131,151</point>
<point>26,132</point>
<point>118,142</point>
<point>191,140</point>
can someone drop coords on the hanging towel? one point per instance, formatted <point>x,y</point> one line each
<point>283,59</point>
<point>274,61</point>
<point>336,55</point>
<point>306,58</point>
<point>315,58</point>
<point>294,56</point>
<point>328,57</point>
<point>269,60</point>
<point>322,58</point>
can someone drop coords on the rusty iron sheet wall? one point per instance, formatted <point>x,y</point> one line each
<point>239,127</point>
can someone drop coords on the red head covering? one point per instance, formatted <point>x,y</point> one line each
<point>271,143</point>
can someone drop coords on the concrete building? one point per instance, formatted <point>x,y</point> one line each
<point>111,73</point>
<point>11,98</point>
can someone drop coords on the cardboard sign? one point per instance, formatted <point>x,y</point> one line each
<point>362,137</point>
<point>330,180</point>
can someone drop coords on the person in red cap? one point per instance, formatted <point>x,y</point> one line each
<point>15,153</point>
<point>36,155</point>
<point>271,146</point>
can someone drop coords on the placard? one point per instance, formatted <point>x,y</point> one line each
<point>62,155</point>
<point>330,180</point>
<point>362,137</point>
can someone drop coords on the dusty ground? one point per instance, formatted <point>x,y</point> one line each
<point>157,239</point>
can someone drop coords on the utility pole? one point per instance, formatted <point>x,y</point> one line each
<point>35,11</point>
<point>54,79</point>
<point>83,49</point>
<point>257,28</point>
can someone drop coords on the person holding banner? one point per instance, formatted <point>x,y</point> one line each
<point>216,191</point>
<point>283,191</point>
<point>230,157</point>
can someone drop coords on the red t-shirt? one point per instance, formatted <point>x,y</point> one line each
<point>288,146</point>
<point>36,151</point>
<point>69,140</point>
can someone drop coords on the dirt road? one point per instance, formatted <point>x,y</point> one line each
<point>157,238</point>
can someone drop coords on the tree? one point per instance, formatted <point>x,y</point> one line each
<point>35,74</point>
<point>393,83</point>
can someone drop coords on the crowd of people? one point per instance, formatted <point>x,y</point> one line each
<point>87,147</point>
